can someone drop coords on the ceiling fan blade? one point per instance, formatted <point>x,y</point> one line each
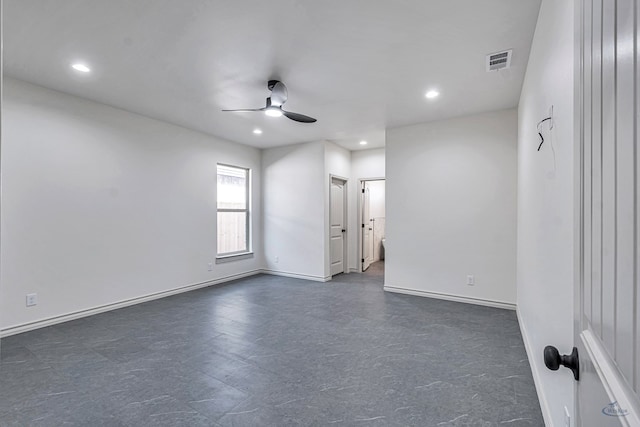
<point>279,94</point>
<point>298,117</point>
<point>246,110</point>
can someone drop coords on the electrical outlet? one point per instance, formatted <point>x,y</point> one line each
<point>471,281</point>
<point>210,266</point>
<point>277,259</point>
<point>567,418</point>
<point>32,299</point>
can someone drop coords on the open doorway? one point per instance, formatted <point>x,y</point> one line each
<point>372,219</point>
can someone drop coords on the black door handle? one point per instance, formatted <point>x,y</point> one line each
<point>344,231</point>
<point>553,360</point>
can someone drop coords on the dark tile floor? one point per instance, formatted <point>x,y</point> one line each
<point>273,351</point>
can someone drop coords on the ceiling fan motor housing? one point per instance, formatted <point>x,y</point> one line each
<point>272,83</point>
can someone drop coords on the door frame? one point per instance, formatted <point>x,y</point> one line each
<point>359,235</point>
<point>345,237</point>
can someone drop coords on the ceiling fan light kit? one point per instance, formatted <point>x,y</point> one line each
<point>273,112</point>
<point>273,107</point>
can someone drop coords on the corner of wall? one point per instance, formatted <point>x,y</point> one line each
<point>293,210</point>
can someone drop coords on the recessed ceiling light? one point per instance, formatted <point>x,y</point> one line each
<point>81,67</point>
<point>363,142</point>
<point>432,94</point>
<point>257,131</point>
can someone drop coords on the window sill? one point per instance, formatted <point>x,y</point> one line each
<point>220,259</point>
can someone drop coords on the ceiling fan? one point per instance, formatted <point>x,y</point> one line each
<point>273,108</point>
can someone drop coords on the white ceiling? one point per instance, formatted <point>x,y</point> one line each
<point>358,66</point>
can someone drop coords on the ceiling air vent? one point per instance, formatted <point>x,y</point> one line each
<point>499,61</point>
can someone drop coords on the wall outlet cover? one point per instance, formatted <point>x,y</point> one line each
<point>32,299</point>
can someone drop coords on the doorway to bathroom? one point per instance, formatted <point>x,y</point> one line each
<point>372,219</point>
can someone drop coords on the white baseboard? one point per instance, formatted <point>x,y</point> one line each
<point>296,275</point>
<point>535,371</point>
<point>449,297</point>
<point>25,327</point>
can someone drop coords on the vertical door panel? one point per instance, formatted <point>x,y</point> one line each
<point>636,381</point>
<point>337,219</point>
<point>625,188</point>
<point>367,240</point>
<point>595,168</point>
<point>608,336</point>
<point>587,134</point>
<point>608,175</point>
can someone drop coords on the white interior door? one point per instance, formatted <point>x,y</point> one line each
<point>338,229</point>
<point>607,318</point>
<point>367,228</point>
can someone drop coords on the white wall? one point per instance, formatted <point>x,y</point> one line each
<point>337,163</point>
<point>294,209</point>
<point>545,205</point>
<point>101,205</point>
<point>364,164</point>
<point>451,207</point>
<point>376,199</point>
<point>368,163</point>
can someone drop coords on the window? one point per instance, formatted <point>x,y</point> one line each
<point>233,211</point>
